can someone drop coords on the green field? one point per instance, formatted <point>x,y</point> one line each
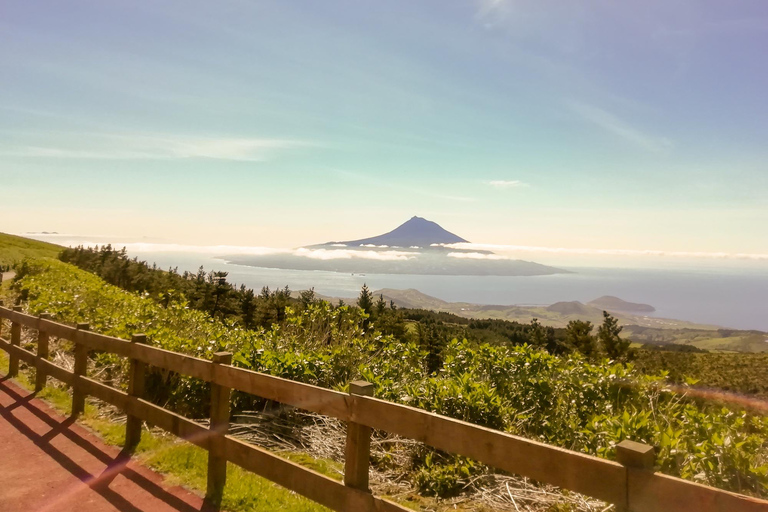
<point>14,248</point>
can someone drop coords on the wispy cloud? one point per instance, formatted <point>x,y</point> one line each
<point>157,147</point>
<point>506,183</point>
<point>511,249</point>
<point>617,126</point>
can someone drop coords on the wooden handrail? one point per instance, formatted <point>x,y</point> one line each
<point>630,485</point>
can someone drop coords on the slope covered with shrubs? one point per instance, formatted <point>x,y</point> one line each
<point>565,400</point>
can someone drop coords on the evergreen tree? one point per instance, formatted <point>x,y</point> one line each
<point>365,300</point>
<point>611,343</point>
<point>381,306</point>
<point>432,341</point>
<point>307,297</point>
<point>537,334</point>
<point>578,334</point>
<point>248,308</point>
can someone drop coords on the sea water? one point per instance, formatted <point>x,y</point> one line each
<point>728,297</point>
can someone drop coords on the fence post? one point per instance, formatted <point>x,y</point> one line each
<point>358,448</point>
<point>81,367</point>
<point>633,456</point>
<point>42,353</point>
<point>136,385</point>
<point>219,426</point>
<point>13,360</point>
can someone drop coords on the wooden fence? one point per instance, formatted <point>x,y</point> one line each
<point>630,483</point>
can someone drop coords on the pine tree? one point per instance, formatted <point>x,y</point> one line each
<point>365,301</point>
<point>611,343</point>
<point>578,334</point>
<point>381,306</point>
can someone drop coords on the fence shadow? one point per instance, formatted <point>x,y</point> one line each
<point>115,465</point>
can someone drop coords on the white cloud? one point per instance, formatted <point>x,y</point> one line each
<point>476,256</point>
<point>330,254</point>
<point>506,183</point>
<point>156,147</point>
<point>606,252</point>
<point>613,124</point>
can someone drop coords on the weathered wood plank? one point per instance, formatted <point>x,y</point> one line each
<point>653,492</point>
<point>18,352</point>
<point>13,360</point>
<point>30,358</point>
<point>15,315</point>
<point>176,424</point>
<point>304,396</point>
<point>600,478</point>
<point>103,392</point>
<point>136,385</point>
<point>96,341</point>
<point>308,483</point>
<point>357,456</point>
<point>57,329</point>
<point>173,361</point>
<point>81,369</point>
<point>57,372</point>
<point>42,353</point>
<point>219,426</point>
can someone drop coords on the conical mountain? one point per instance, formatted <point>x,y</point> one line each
<point>417,231</point>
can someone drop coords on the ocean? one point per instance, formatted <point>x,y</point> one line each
<point>728,297</point>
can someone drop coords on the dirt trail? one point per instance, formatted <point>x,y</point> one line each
<point>48,463</point>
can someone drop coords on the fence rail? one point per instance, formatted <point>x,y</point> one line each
<point>630,484</point>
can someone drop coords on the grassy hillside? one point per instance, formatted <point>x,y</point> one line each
<point>719,340</point>
<point>565,401</point>
<point>14,248</point>
<point>737,373</point>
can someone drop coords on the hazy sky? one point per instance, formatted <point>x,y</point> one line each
<point>579,124</point>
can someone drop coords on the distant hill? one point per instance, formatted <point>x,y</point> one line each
<point>611,303</point>
<point>570,308</point>
<point>416,232</point>
<point>14,248</point>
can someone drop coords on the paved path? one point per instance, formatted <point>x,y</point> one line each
<point>50,464</point>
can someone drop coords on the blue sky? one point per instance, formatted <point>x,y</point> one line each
<point>580,124</point>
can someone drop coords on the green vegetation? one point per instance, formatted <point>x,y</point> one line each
<point>14,248</point>
<point>564,400</point>
<point>746,374</point>
<point>724,340</point>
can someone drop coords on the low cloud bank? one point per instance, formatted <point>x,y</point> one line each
<point>477,256</point>
<point>603,252</point>
<point>332,254</point>
<point>239,250</point>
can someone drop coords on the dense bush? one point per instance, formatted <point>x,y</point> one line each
<point>564,400</point>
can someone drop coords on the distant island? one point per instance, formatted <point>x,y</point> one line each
<point>611,303</point>
<point>418,246</point>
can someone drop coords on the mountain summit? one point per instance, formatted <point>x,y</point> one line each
<point>415,232</point>
<point>407,249</point>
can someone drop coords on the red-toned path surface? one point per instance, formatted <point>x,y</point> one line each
<point>48,463</point>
